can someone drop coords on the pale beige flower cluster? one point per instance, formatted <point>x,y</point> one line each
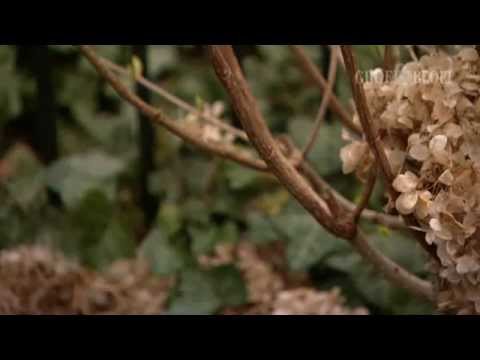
<point>271,292</point>
<point>209,132</point>
<point>431,134</point>
<point>309,301</point>
<point>37,280</point>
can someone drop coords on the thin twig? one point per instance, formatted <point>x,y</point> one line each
<point>323,187</point>
<point>311,71</point>
<point>389,60</point>
<point>411,52</point>
<point>332,76</point>
<point>339,55</point>
<point>366,195</point>
<point>191,135</point>
<point>392,271</point>
<point>365,117</point>
<point>229,72</point>
<point>375,144</point>
<point>176,100</point>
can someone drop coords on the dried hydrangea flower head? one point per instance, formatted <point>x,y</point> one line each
<point>40,281</point>
<point>430,117</point>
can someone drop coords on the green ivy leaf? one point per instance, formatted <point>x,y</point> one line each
<point>166,256</point>
<point>326,153</point>
<point>260,229</point>
<point>195,294</point>
<point>307,243</point>
<point>229,285</point>
<point>240,178</point>
<point>116,243</point>
<point>170,219</point>
<point>205,239</point>
<point>75,176</point>
<point>205,292</point>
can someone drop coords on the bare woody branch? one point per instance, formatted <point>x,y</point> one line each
<point>375,143</point>
<point>229,72</point>
<point>176,101</point>
<point>365,116</point>
<point>389,58</point>
<point>317,182</point>
<point>323,187</point>
<point>366,195</point>
<point>332,76</point>
<point>311,70</point>
<point>392,271</point>
<point>190,135</point>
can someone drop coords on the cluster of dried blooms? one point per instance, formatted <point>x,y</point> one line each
<point>209,132</point>
<point>39,281</point>
<point>428,118</point>
<point>272,291</point>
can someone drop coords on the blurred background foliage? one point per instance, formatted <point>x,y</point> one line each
<point>80,170</point>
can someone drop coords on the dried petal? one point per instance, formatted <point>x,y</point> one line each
<point>419,152</point>
<point>407,182</point>
<point>467,264</point>
<point>352,155</point>
<point>446,177</point>
<point>468,54</point>
<point>406,202</point>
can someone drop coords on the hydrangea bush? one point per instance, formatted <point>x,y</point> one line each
<point>430,127</point>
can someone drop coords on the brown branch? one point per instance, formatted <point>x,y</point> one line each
<point>388,59</point>
<point>337,202</point>
<point>189,135</point>
<point>229,72</point>
<point>325,189</point>
<point>175,100</point>
<point>317,182</point>
<point>312,72</point>
<point>339,55</point>
<point>366,195</point>
<point>370,132</point>
<point>332,76</point>
<point>375,143</point>
<point>392,271</point>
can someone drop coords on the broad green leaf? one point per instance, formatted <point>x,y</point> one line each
<point>229,286</point>
<point>116,243</point>
<point>166,256</point>
<point>205,239</point>
<point>260,229</point>
<point>308,242</point>
<point>170,219</point>
<point>325,156</point>
<point>75,176</point>
<point>240,178</point>
<point>90,218</point>
<point>205,292</point>
<point>195,294</point>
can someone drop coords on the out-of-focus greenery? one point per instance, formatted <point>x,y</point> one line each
<point>203,201</point>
